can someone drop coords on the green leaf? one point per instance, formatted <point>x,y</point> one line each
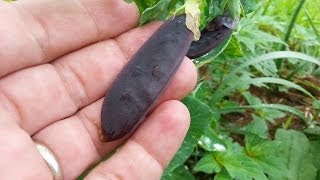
<point>263,151</point>
<point>263,113</point>
<point>255,39</point>
<point>249,5</point>
<point>234,48</point>
<point>234,83</point>
<point>316,104</point>
<point>280,107</point>
<point>295,148</point>
<point>203,91</point>
<point>314,149</point>
<point>207,164</point>
<point>240,166</point>
<point>266,154</point>
<point>222,176</point>
<point>254,60</point>
<point>211,142</point>
<point>312,130</point>
<point>251,99</point>
<point>267,68</point>
<point>163,9</point>
<point>210,56</point>
<point>233,8</point>
<point>201,117</point>
<point>248,43</point>
<point>257,127</point>
<point>281,82</point>
<point>270,114</point>
<point>209,10</point>
<point>158,12</point>
<point>180,173</point>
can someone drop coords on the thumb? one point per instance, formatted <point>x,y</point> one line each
<point>146,154</point>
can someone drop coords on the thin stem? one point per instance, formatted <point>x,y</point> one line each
<point>312,24</point>
<point>289,30</point>
<point>267,7</point>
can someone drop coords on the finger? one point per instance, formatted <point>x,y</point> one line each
<point>36,32</point>
<point>80,135</point>
<point>146,154</point>
<point>19,156</point>
<point>73,82</point>
<point>72,142</point>
<point>76,142</point>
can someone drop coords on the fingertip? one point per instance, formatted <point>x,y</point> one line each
<point>129,9</point>
<point>192,73</point>
<point>146,154</point>
<point>172,115</point>
<point>183,82</point>
<point>167,126</point>
<point>132,40</point>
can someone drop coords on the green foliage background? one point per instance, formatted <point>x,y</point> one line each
<point>239,132</point>
<point>151,10</point>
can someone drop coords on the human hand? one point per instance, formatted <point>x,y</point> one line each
<point>57,60</point>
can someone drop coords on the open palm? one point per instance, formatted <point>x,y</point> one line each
<point>57,60</point>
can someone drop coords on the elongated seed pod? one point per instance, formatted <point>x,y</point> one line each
<point>137,87</point>
<point>215,33</point>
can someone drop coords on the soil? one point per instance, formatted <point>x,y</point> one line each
<point>292,98</point>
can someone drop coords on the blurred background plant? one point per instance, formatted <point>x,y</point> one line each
<point>255,111</point>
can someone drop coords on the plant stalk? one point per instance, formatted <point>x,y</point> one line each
<point>289,31</point>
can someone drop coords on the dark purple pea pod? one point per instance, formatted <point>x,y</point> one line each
<point>215,33</point>
<point>137,87</point>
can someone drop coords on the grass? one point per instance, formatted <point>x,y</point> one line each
<point>259,109</point>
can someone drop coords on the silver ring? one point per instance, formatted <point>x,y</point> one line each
<point>50,159</point>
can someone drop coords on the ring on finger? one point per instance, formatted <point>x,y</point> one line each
<point>50,159</point>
